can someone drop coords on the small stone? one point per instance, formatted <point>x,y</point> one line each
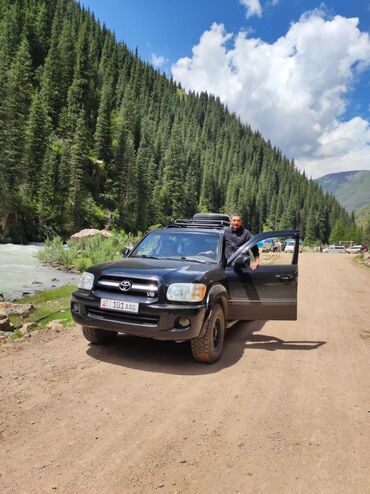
<point>160,486</point>
<point>27,327</point>
<point>182,461</point>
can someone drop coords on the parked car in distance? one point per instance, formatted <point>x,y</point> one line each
<point>289,246</point>
<point>335,248</point>
<point>355,249</point>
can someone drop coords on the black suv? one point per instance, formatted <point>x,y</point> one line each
<point>176,284</point>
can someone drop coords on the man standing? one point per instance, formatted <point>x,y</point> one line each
<point>235,236</point>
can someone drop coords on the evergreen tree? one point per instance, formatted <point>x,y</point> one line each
<point>366,235</point>
<point>79,200</point>
<point>16,108</point>
<point>36,141</point>
<point>338,232</point>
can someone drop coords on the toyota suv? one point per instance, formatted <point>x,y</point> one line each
<point>176,284</point>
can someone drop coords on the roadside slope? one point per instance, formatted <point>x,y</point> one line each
<point>286,409</point>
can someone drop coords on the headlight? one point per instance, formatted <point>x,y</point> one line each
<point>186,292</point>
<point>86,281</point>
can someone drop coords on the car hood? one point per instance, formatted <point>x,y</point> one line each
<point>169,271</point>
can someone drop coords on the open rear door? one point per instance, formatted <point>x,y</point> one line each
<point>270,291</point>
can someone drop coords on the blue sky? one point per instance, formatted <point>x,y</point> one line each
<point>237,35</point>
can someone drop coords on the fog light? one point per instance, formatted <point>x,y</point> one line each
<point>183,322</point>
<point>75,307</point>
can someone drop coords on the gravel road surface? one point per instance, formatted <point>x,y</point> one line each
<point>286,409</point>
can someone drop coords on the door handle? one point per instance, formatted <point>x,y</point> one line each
<point>284,277</point>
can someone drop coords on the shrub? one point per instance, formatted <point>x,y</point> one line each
<point>83,254</point>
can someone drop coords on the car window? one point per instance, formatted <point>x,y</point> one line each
<point>202,247</point>
<point>275,251</point>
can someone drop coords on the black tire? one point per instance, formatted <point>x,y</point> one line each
<point>99,336</point>
<point>211,216</point>
<point>208,348</point>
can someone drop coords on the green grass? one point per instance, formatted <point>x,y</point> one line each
<point>359,258</point>
<point>48,305</point>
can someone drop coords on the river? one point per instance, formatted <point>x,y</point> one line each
<point>22,273</point>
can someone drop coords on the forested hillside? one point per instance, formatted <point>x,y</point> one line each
<point>90,135</point>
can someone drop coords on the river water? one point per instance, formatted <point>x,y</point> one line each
<point>21,272</point>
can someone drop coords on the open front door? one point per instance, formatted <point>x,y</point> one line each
<point>270,291</point>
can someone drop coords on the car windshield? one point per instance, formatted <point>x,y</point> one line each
<point>192,246</point>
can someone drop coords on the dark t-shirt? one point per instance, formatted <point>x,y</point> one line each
<point>235,239</point>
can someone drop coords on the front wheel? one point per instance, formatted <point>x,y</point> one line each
<point>208,348</point>
<point>99,336</point>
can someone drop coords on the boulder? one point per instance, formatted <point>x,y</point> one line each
<point>88,233</point>
<point>23,310</point>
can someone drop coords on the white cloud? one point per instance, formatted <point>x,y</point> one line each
<point>253,8</point>
<point>158,61</point>
<point>295,91</point>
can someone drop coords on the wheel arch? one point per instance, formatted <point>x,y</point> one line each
<point>217,294</point>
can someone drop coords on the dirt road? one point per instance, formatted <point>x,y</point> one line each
<point>286,410</point>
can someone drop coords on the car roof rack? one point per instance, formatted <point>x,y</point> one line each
<point>201,223</point>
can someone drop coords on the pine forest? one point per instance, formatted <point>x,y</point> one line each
<point>91,136</point>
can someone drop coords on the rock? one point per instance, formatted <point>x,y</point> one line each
<point>5,334</point>
<point>27,327</point>
<point>13,308</point>
<point>6,325</point>
<point>88,233</point>
<point>54,279</point>
<point>55,325</point>
<point>1,297</point>
<point>37,283</point>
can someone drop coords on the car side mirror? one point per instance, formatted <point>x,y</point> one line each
<point>126,251</point>
<point>242,261</point>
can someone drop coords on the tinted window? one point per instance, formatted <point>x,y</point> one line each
<point>166,244</point>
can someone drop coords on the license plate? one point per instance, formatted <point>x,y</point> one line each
<point>107,303</point>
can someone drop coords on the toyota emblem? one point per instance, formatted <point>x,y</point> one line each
<point>125,285</point>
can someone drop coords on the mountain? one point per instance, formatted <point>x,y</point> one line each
<point>91,136</point>
<point>352,189</point>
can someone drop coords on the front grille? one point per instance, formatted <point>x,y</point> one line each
<point>109,315</point>
<point>139,286</point>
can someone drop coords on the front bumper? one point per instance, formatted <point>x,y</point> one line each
<point>156,320</point>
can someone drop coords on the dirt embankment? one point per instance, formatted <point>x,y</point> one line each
<point>287,409</point>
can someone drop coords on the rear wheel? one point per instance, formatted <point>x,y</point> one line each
<point>208,348</point>
<point>99,336</point>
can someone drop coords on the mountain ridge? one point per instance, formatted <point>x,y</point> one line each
<point>351,188</point>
